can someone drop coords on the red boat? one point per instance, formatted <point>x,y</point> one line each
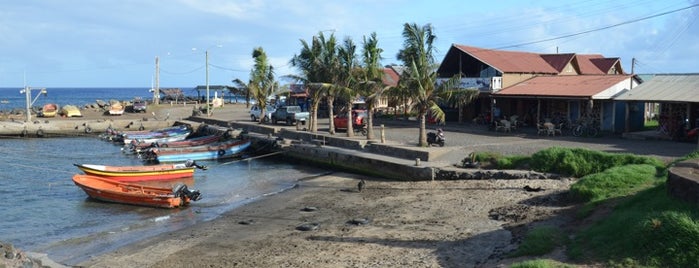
<point>108,190</point>
<point>141,173</point>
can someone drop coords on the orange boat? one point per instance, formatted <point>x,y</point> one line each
<point>142,173</point>
<point>134,194</point>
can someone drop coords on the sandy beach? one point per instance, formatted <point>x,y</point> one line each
<point>388,224</point>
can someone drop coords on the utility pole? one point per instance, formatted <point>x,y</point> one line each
<point>156,93</point>
<point>208,104</point>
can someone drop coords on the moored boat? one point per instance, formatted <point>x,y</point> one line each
<point>170,134</point>
<point>108,190</point>
<point>141,173</point>
<point>116,108</point>
<point>137,146</point>
<point>214,151</point>
<point>49,110</point>
<point>70,111</point>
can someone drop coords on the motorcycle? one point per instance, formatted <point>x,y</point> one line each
<point>436,138</point>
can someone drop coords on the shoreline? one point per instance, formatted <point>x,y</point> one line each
<point>411,226</point>
<point>426,223</point>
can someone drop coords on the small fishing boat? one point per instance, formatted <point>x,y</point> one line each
<point>138,146</point>
<point>70,111</point>
<point>108,190</point>
<point>142,173</point>
<point>116,108</point>
<point>176,133</point>
<point>214,151</point>
<point>49,110</point>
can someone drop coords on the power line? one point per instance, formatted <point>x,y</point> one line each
<point>600,29</point>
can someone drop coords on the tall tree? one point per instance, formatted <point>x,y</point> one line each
<point>262,83</point>
<point>314,61</point>
<point>421,76</point>
<point>345,81</point>
<point>371,80</point>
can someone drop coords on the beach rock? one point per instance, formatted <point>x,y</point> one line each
<point>12,257</point>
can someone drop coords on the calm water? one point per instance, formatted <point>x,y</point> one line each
<point>43,211</point>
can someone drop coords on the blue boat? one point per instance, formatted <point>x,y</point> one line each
<point>214,151</point>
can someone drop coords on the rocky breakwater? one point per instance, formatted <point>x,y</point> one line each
<point>93,120</point>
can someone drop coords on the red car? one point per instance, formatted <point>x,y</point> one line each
<point>358,116</point>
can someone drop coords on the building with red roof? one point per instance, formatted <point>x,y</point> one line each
<point>541,87</point>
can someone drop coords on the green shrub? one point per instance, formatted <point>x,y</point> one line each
<point>578,162</point>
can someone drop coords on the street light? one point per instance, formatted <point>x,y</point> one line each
<point>28,93</point>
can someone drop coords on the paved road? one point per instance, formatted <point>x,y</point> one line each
<point>463,139</point>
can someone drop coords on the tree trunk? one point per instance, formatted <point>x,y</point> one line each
<point>331,114</point>
<point>369,121</point>
<point>350,120</point>
<point>314,116</point>
<point>423,130</point>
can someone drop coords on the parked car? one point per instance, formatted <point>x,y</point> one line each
<point>139,106</point>
<point>255,113</point>
<point>290,115</point>
<point>358,118</point>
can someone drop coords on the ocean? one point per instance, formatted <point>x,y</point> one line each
<point>45,212</point>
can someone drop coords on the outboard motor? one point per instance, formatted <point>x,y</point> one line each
<point>436,138</point>
<point>181,190</point>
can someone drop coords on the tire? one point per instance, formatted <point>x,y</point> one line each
<point>40,133</point>
<point>364,131</point>
<point>289,121</point>
<point>88,130</point>
<point>592,132</point>
<point>265,119</point>
<point>253,118</point>
<point>441,144</point>
<point>577,131</point>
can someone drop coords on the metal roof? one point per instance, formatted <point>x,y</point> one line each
<point>570,86</point>
<point>666,88</point>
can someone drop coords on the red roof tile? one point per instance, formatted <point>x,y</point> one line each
<point>563,86</point>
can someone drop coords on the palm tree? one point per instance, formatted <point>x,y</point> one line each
<point>371,80</point>
<point>346,82</point>
<point>262,83</point>
<point>421,76</point>
<point>314,62</point>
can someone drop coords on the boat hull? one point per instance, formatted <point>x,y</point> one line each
<point>220,150</point>
<point>138,173</point>
<point>132,194</point>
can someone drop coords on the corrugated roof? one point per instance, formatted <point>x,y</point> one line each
<point>510,61</point>
<point>563,86</point>
<point>666,88</point>
<point>390,77</point>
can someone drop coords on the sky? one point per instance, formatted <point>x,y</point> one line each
<point>101,43</point>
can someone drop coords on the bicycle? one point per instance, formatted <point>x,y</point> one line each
<point>584,128</point>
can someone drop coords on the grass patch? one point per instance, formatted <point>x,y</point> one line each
<point>648,229</point>
<point>539,241</point>
<point>541,264</point>
<point>576,162</point>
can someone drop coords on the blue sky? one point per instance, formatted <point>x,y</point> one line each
<point>102,43</point>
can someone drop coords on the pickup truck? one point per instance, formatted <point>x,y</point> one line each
<point>290,115</point>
